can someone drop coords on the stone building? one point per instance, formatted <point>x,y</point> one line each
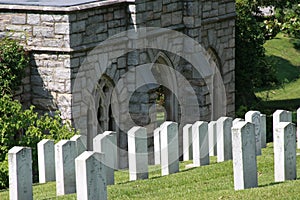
<point>94,61</point>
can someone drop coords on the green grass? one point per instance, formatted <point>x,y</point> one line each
<point>208,182</point>
<point>284,54</point>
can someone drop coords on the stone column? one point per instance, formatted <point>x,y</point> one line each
<point>106,143</point>
<point>46,160</point>
<point>285,152</point>
<point>224,143</point>
<point>298,128</point>
<point>244,155</point>
<point>200,144</point>
<point>65,154</point>
<point>263,130</point>
<point>254,117</point>
<point>81,143</point>
<point>156,136</point>
<point>187,142</point>
<point>20,173</point>
<point>212,138</point>
<point>90,176</point>
<point>138,153</point>
<point>169,148</point>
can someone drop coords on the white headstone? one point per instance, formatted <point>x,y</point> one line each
<point>169,148</point>
<point>114,144</point>
<point>200,144</point>
<point>106,143</point>
<point>244,155</point>
<point>281,116</point>
<point>285,152</point>
<point>81,143</point>
<point>20,173</point>
<point>138,153</point>
<point>254,117</point>
<point>263,130</point>
<point>65,154</point>
<point>236,120</point>
<point>90,176</point>
<point>156,136</point>
<point>187,142</point>
<point>224,143</point>
<point>212,138</point>
<point>298,128</point>
<point>46,160</point>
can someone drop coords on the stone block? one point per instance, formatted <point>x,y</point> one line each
<point>19,19</point>
<point>244,155</point>
<point>46,161</point>
<point>169,148</point>
<point>20,173</point>
<point>224,143</point>
<point>187,142</point>
<point>254,117</point>
<point>65,154</point>
<point>107,143</point>
<point>33,19</point>
<point>63,28</point>
<point>285,152</point>
<point>137,153</point>
<point>90,176</point>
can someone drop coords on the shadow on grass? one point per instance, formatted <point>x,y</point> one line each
<point>269,184</point>
<point>273,105</point>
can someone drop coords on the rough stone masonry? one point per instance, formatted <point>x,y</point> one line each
<point>60,35</point>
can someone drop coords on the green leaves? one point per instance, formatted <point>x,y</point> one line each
<point>13,61</point>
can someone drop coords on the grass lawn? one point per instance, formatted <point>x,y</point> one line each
<point>284,54</point>
<point>208,182</point>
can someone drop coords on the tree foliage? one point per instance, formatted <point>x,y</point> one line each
<point>252,70</point>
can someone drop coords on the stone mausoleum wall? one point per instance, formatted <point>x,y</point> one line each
<point>60,38</point>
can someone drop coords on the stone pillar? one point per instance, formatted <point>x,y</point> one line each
<point>20,173</point>
<point>263,130</point>
<point>254,117</point>
<point>106,143</point>
<point>81,143</point>
<point>46,160</point>
<point>187,142</point>
<point>200,144</point>
<point>285,152</point>
<point>156,135</point>
<point>90,176</point>
<point>65,154</point>
<point>169,148</point>
<point>224,143</point>
<point>138,153</point>
<point>244,155</point>
<point>212,138</point>
<point>298,128</point>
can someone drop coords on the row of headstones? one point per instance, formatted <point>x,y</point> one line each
<point>94,168</point>
<point>68,163</point>
<point>215,136</point>
<point>284,145</point>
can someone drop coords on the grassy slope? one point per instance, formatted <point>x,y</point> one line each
<point>284,53</point>
<point>208,182</point>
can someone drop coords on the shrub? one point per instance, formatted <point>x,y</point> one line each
<point>19,127</point>
<point>13,61</point>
